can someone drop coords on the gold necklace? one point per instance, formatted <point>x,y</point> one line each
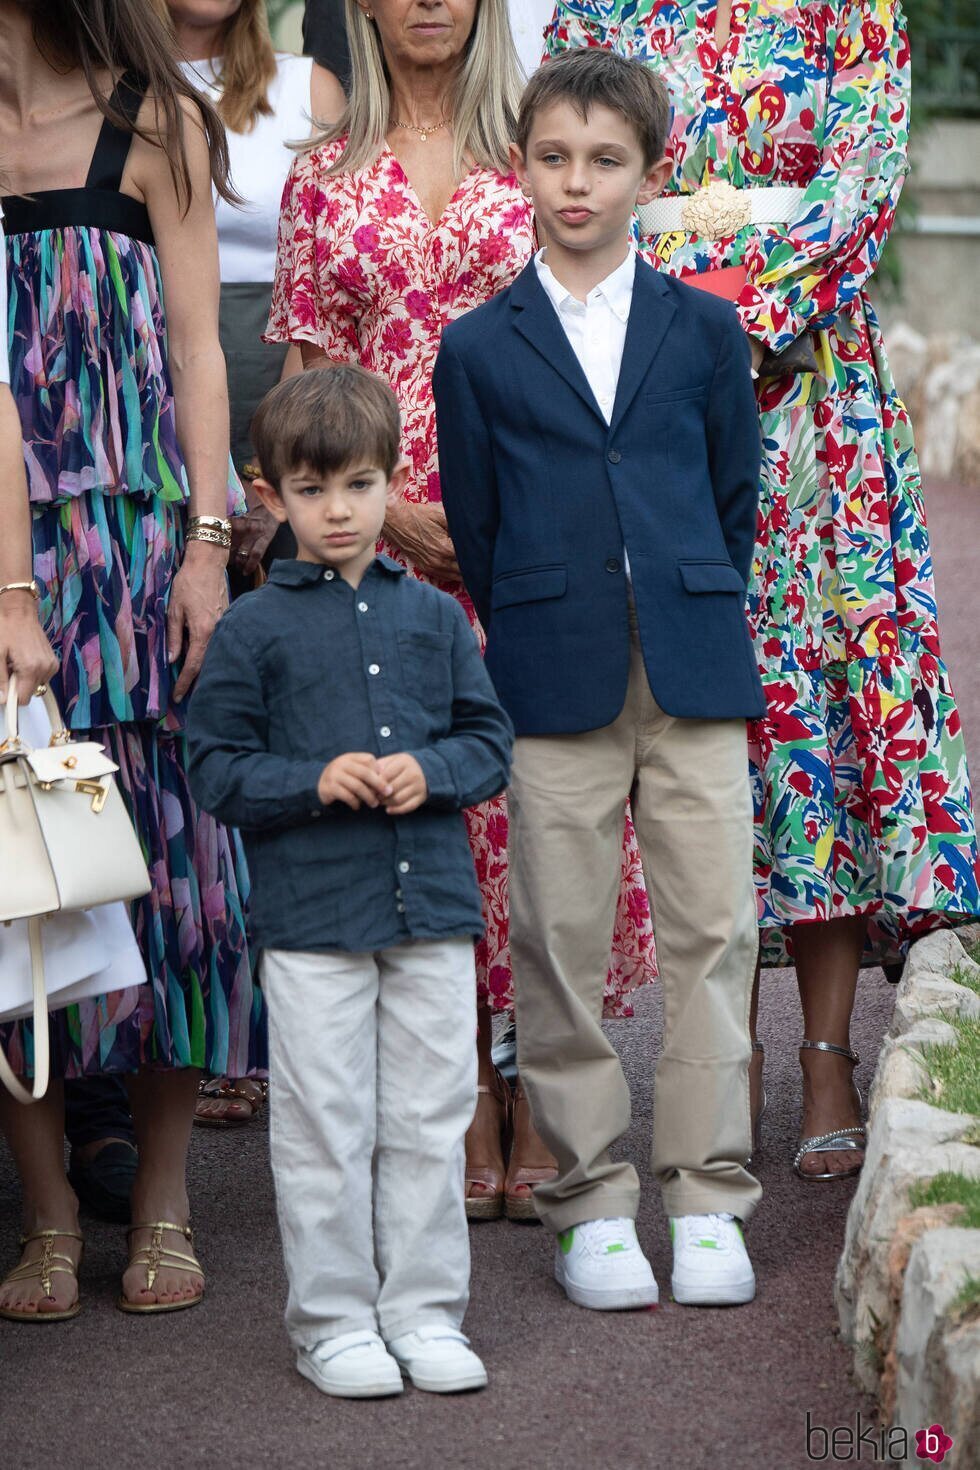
<point>422,132</point>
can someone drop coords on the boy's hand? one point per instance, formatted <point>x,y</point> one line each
<point>355,779</point>
<point>406,783</point>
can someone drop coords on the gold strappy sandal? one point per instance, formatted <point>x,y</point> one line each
<point>156,1257</point>
<point>42,1269</point>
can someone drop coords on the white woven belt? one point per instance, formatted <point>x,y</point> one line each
<point>719,210</point>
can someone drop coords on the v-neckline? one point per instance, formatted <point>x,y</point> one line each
<point>706,24</point>
<point>432,224</point>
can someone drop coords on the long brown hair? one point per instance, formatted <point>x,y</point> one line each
<point>129,35</point>
<point>248,65</point>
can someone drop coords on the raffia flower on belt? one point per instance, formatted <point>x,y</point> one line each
<point>717,210</point>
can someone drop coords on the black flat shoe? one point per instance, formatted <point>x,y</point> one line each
<point>104,1185</point>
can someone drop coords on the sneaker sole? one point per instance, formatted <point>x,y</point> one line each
<point>703,1294</point>
<point>624,1299</point>
<point>462,1384</point>
<point>378,1389</point>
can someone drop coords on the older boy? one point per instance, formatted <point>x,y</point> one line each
<point>600,457</point>
<point>343,720</point>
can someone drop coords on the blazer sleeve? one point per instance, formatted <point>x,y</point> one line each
<point>466,473</point>
<point>800,275</point>
<point>735,446</point>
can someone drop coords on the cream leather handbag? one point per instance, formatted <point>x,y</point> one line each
<point>66,844</point>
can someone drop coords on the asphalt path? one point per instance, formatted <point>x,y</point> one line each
<point>569,1389</point>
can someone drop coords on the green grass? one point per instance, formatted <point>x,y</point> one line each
<point>962,976</point>
<point>955,1070</point>
<point>950,1189</point>
<point>967,1299</point>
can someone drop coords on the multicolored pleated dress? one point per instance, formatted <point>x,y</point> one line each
<point>88,369</point>
<point>862,797</point>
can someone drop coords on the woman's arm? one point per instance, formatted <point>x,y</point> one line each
<point>24,650</point>
<point>327,97</point>
<point>801,276</point>
<point>187,247</point>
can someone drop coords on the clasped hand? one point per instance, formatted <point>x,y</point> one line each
<point>396,782</point>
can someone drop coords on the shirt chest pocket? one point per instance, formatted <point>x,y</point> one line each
<point>426,658</point>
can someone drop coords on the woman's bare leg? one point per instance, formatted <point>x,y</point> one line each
<point>35,1136</point>
<point>483,1146</point>
<point>828,956</point>
<point>163,1113</point>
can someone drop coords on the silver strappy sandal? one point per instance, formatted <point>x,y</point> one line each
<point>841,1140</point>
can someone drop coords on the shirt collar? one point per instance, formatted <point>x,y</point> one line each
<point>616,290</point>
<point>301,573</point>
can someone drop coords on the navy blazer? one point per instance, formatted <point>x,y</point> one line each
<point>541,496</point>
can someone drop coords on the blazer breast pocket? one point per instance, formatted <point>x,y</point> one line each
<point>677,395</point>
<point>528,584</point>
<point>426,658</point>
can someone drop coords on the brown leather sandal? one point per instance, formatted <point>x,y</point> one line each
<point>42,1268</point>
<point>218,1089</point>
<point>488,1204</point>
<point>522,1177</point>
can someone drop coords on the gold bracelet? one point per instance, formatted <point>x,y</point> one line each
<point>30,587</point>
<point>210,523</point>
<point>213,538</point>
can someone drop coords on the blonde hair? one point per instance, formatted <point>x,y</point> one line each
<point>248,65</point>
<point>484,101</point>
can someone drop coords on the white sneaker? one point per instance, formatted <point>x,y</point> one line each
<point>711,1265</point>
<point>438,1359</point>
<point>355,1365</point>
<point>600,1265</point>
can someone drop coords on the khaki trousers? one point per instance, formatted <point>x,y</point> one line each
<point>689,784</point>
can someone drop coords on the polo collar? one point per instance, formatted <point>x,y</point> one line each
<point>303,573</point>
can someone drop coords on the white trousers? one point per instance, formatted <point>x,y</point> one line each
<point>372,1065</point>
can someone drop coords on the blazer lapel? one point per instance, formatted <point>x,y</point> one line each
<point>537,321</point>
<point>651,313</point>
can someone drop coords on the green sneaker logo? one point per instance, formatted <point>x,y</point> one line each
<point>708,1245</point>
<point>616,1246</point>
<point>565,1239</point>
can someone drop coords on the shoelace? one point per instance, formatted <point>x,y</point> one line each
<point>709,1228</point>
<point>606,1233</point>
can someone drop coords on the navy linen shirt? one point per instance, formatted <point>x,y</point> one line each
<point>306,669</point>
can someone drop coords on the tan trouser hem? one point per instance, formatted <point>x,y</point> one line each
<point>597,1205</point>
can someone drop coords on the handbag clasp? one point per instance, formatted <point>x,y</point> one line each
<point>96,791</point>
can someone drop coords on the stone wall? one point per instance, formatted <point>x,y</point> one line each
<point>902,1268</point>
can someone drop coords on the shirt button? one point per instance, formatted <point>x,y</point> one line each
<point>398,893</point>
<point>374,668</point>
<point>403,866</point>
<point>385,731</point>
<point>614,456</point>
<point>362,607</point>
<point>328,576</point>
<point>400,907</point>
<point>612,565</point>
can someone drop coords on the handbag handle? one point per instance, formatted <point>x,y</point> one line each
<point>42,1056</point>
<point>58,730</point>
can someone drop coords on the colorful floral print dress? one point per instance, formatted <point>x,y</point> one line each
<point>862,796</point>
<point>88,370</point>
<point>364,275</point>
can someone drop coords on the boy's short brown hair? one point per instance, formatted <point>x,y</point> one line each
<point>590,76</point>
<point>325,419</point>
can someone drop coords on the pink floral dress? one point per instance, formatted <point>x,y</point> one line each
<point>363,274</point>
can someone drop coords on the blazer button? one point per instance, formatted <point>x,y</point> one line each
<point>612,565</point>
<point>614,456</point>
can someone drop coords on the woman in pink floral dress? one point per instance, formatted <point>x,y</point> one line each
<point>396,222</point>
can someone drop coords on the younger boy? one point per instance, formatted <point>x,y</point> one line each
<point>599,451</point>
<point>343,720</point>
